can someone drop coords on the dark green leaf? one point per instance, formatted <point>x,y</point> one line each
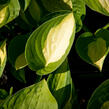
<point>79,11</point>
<point>93,48</point>
<point>100,97</point>
<point>16,51</point>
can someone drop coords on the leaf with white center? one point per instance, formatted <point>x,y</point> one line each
<point>3,56</point>
<point>93,48</point>
<point>16,51</point>
<point>49,44</point>
<point>9,12</point>
<point>61,86</point>
<point>105,4</point>
<point>36,96</point>
<point>101,6</point>
<point>100,97</point>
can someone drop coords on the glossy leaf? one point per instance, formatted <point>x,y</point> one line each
<point>93,48</point>
<point>16,51</point>
<point>100,97</point>
<point>49,44</point>
<point>36,96</point>
<point>3,56</point>
<point>101,6</point>
<point>61,86</point>
<point>9,12</point>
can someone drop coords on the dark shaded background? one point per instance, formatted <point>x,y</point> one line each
<point>86,77</point>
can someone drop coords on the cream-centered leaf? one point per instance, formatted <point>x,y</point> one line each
<point>105,4</point>
<point>2,54</point>
<point>2,14</point>
<point>58,39</point>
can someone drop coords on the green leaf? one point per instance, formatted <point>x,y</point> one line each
<point>3,95</point>
<point>49,45</point>
<point>24,4</point>
<point>33,14</point>
<point>18,74</point>
<point>79,11</point>
<point>61,86</point>
<point>56,5</point>
<point>36,96</point>
<point>3,56</point>
<point>101,6</point>
<point>4,2</point>
<point>20,62</point>
<point>100,97</point>
<point>93,48</point>
<point>16,51</point>
<point>9,12</point>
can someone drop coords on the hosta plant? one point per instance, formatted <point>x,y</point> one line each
<point>37,41</point>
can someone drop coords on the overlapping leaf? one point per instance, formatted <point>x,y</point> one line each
<point>33,14</point>
<point>93,48</point>
<point>79,11</point>
<point>24,4</point>
<point>49,44</point>
<point>16,51</point>
<point>101,6</point>
<point>3,56</point>
<point>56,5</point>
<point>62,88</point>
<point>36,96</point>
<point>3,95</point>
<point>9,12</point>
<point>100,97</point>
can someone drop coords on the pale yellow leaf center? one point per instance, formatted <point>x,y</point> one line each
<point>2,54</point>
<point>105,4</point>
<point>97,52</point>
<point>58,39</point>
<point>2,14</point>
